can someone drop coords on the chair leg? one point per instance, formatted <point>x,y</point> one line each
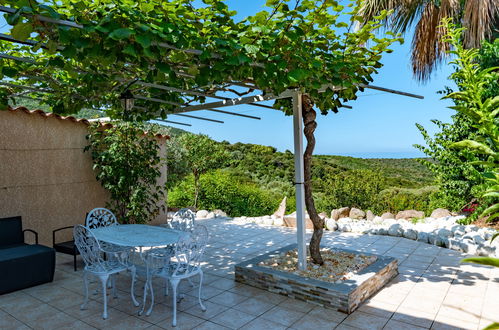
<point>203,308</point>
<point>132,289</point>
<point>104,280</point>
<point>174,283</point>
<point>113,285</point>
<point>149,311</point>
<point>85,288</point>
<point>144,297</point>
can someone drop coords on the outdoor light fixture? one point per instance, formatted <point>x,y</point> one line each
<point>127,100</point>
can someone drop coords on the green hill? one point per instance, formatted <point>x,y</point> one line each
<point>376,184</point>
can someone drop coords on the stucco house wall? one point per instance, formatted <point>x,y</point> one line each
<point>44,174</point>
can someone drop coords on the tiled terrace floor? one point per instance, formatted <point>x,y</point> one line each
<point>433,290</point>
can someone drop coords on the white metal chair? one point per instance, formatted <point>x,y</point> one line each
<point>185,264</point>
<point>183,220</point>
<point>92,254</point>
<point>100,217</point>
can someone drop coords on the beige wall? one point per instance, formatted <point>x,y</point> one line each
<point>44,174</point>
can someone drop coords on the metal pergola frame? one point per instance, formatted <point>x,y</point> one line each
<point>295,95</point>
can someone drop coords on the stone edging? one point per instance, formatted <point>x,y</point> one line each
<point>444,232</point>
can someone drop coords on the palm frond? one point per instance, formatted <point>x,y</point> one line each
<point>425,44</point>
<point>405,12</point>
<point>478,19</point>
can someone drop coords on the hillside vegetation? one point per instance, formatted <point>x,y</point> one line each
<point>253,179</point>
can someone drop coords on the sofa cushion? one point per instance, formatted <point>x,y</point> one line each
<point>24,266</point>
<point>9,246</point>
<point>11,231</point>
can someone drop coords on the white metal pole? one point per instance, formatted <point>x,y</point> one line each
<point>299,180</point>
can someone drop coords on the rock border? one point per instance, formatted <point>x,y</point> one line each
<point>444,232</point>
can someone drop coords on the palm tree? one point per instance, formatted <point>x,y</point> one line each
<point>479,17</point>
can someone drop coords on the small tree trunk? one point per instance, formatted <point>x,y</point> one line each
<point>196,189</point>
<point>310,125</point>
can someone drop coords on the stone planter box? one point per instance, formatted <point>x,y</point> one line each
<point>345,297</point>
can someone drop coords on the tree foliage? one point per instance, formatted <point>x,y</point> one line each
<point>458,179</point>
<point>200,154</point>
<point>302,44</point>
<point>127,164</point>
<point>429,47</point>
<point>472,99</point>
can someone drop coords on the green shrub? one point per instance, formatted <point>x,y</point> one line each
<point>127,163</point>
<point>399,199</point>
<point>354,188</point>
<point>223,190</point>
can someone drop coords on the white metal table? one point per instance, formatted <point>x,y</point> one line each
<point>138,236</point>
<point>142,237</point>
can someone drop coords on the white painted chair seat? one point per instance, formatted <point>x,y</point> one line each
<point>105,269</point>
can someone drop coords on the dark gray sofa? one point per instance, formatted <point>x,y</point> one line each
<point>22,265</point>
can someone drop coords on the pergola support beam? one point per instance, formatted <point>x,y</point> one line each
<point>172,122</point>
<point>200,118</point>
<point>237,101</point>
<point>299,179</point>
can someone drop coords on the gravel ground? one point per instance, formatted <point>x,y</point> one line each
<point>338,265</point>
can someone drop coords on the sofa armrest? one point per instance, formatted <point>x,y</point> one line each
<point>59,229</point>
<point>34,232</point>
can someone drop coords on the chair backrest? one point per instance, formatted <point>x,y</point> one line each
<point>88,246</point>
<point>11,231</point>
<point>183,220</point>
<point>189,250</point>
<point>100,217</point>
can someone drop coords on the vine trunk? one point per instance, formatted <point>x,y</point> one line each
<point>310,125</point>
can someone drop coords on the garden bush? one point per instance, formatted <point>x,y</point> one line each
<point>354,188</point>
<point>223,190</point>
<point>399,199</point>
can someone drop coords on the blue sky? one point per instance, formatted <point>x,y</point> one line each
<point>380,125</point>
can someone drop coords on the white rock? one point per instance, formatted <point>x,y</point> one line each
<point>444,233</point>
<point>259,220</point>
<point>278,221</point>
<point>220,213</point>
<point>346,227</point>
<point>453,244</point>
<point>487,233</point>
<point>471,228</point>
<point>211,215</point>
<point>396,230</point>
<point>486,250</point>
<point>478,239</point>
<point>432,238</point>
<point>331,224</point>
<point>202,214</point>
<point>383,230</point>
<point>423,237</point>
<point>410,234</point>
<point>344,220</point>
<point>268,221</point>
<point>389,222</point>
<point>468,247</point>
